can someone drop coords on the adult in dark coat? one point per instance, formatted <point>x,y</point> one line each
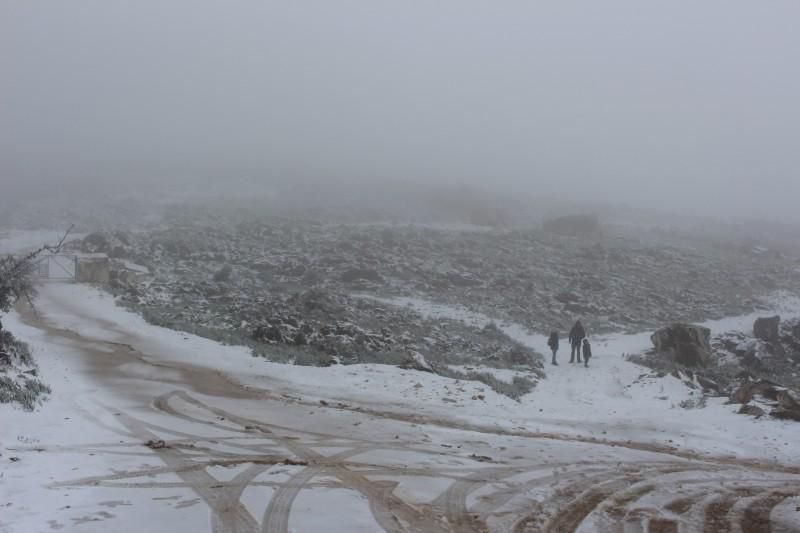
<point>576,336</point>
<point>587,352</point>
<point>553,344</point>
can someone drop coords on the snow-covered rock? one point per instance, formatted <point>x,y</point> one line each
<point>688,344</point>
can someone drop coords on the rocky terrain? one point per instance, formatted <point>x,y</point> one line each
<point>759,370</point>
<point>287,313</point>
<point>302,290</point>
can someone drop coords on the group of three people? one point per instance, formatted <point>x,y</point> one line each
<point>578,342</point>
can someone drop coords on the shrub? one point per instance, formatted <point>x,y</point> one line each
<point>519,386</point>
<point>28,393</point>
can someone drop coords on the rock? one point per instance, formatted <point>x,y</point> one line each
<point>708,384</point>
<point>786,401</point>
<point>788,408</point>
<point>294,462</point>
<point>688,344</point>
<point>416,361</point>
<point>751,360</point>
<point>765,389</point>
<point>752,410</point>
<point>767,328</point>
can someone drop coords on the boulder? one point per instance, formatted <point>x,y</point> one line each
<point>788,408</point>
<point>767,328</point>
<point>708,385</point>
<point>416,361</point>
<point>786,401</point>
<point>688,344</point>
<point>765,389</point>
<point>752,410</point>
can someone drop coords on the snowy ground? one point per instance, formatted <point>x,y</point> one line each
<point>255,446</point>
<point>619,400</point>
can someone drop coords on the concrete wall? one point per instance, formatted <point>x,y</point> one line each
<point>93,270</point>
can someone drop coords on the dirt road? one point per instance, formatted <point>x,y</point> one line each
<point>271,461</point>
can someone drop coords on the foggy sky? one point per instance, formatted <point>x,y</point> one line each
<point>680,105</point>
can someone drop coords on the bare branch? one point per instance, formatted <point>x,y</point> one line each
<point>15,274</point>
<point>57,248</point>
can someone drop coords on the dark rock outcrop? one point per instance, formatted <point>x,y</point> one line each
<point>788,408</point>
<point>767,328</point>
<point>688,344</point>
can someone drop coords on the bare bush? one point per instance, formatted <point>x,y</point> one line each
<point>27,392</point>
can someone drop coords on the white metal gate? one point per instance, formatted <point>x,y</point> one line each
<point>56,267</point>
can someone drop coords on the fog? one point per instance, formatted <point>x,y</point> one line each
<point>685,106</point>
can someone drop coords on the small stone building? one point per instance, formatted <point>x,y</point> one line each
<point>92,268</point>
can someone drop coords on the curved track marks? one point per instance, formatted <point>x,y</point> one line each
<point>669,495</point>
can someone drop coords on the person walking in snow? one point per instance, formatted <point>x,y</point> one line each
<point>587,352</point>
<point>576,336</point>
<point>553,344</point>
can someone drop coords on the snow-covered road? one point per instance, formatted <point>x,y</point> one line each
<point>240,444</point>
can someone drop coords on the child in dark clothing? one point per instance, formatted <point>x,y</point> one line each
<point>553,344</point>
<point>587,352</point>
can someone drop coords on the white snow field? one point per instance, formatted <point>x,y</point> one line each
<point>150,429</point>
